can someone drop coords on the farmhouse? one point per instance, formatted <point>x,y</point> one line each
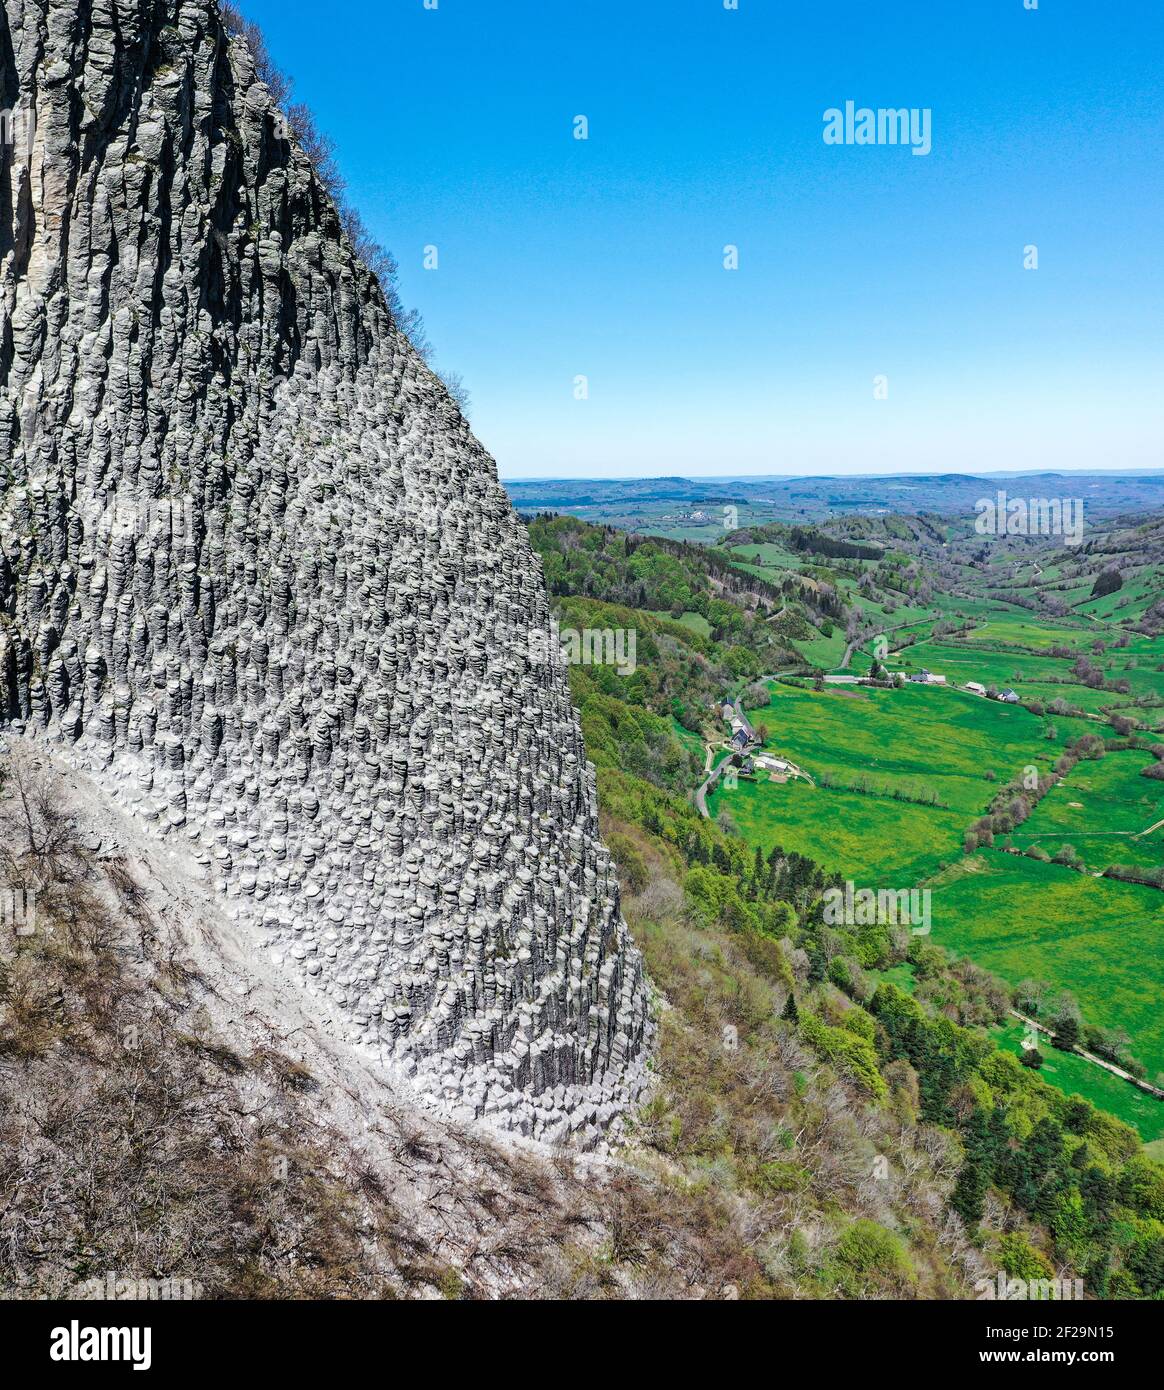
<point>740,740</point>
<point>778,769</point>
<point>975,688</point>
<point>924,677</point>
<point>1008,697</point>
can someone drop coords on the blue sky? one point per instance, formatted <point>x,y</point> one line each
<point>604,258</point>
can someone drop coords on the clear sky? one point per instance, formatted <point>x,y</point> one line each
<point>603,258</point>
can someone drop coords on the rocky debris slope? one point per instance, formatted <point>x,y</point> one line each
<point>259,579</point>
<point>152,1063</point>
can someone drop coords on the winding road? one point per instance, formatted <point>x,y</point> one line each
<point>706,785</point>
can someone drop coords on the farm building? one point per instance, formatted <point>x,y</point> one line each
<point>1008,697</point>
<point>975,688</point>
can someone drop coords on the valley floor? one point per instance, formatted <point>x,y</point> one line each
<point>901,776</point>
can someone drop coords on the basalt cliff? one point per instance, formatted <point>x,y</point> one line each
<point>260,586</point>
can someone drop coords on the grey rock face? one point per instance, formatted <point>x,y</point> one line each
<point>257,574</point>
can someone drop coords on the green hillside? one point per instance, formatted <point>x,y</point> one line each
<point>729,911</point>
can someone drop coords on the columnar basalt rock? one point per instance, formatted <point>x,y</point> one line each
<point>259,578</point>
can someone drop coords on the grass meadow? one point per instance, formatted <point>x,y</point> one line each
<point>1036,676</point>
<point>876,841</point>
<point>1102,940</point>
<point>1078,1077</point>
<point>1099,938</point>
<point>924,740</point>
<point>934,746</point>
<point>1101,808</point>
<point>1069,1073</point>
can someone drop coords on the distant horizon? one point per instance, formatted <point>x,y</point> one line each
<point>1150,472</point>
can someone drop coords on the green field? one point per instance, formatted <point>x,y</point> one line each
<point>1101,808</point>
<point>769,554</point>
<point>1102,940</point>
<point>922,739</point>
<point>1079,1077</point>
<point>1099,938</point>
<point>961,662</point>
<point>1037,676</point>
<point>1130,601</point>
<point>965,606</point>
<point>695,622</point>
<point>771,561</point>
<point>1070,1073</point>
<point>925,742</point>
<point>825,652</point>
<point>876,841</point>
<point>1020,629</point>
